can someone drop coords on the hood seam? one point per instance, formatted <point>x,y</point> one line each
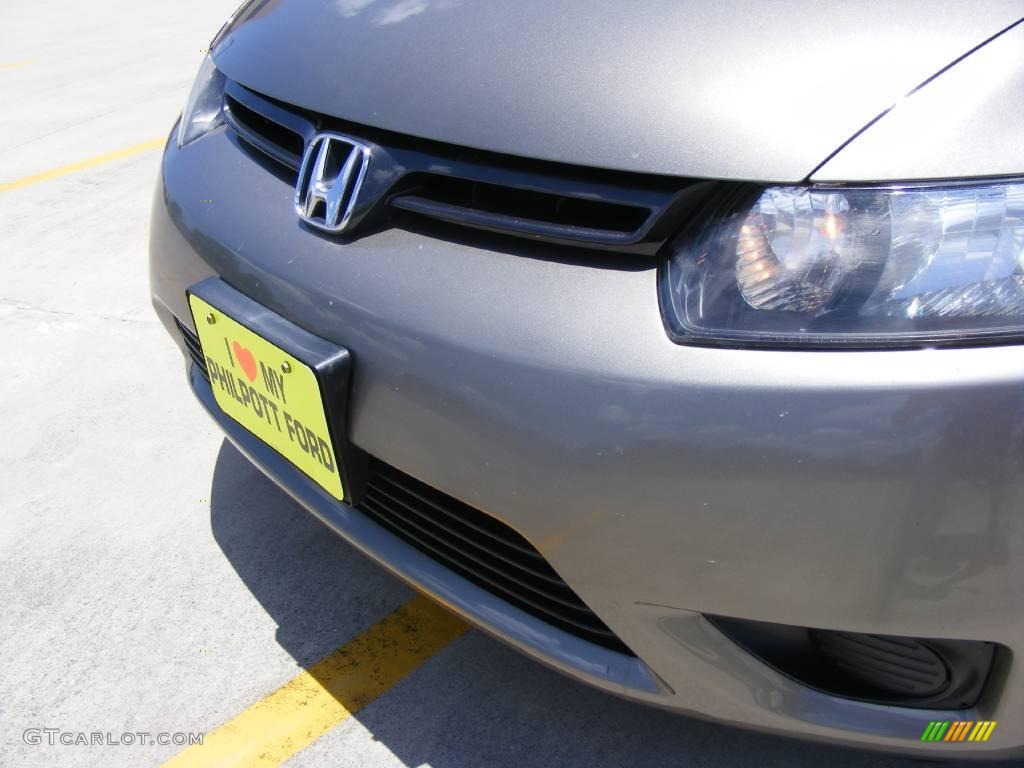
<point>907,95</point>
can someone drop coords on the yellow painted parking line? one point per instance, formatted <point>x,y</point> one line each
<point>17,64</point>
<point>332,690</point>
<point>81,165</point>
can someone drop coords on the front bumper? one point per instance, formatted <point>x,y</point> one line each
<point>875,492</point>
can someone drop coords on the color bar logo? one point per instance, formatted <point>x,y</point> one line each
<point>958,730</point>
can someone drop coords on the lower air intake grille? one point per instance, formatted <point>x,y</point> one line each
<point>195,350</point>
<point>481,549</point>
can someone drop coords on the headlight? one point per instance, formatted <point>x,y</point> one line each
<point>204,109</point>
<point>845,266</point>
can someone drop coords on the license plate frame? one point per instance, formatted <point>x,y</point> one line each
<point>309,361</point>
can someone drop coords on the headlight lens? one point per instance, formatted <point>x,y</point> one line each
<point>846,266</point>
<point>204,109</point>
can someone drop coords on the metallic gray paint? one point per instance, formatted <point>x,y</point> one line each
<point>723,89</point>
<point>865,491</point>
<point>968,122</point>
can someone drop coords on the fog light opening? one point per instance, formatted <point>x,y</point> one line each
<point>880,669</point>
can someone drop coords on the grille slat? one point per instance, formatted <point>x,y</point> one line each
<point>494,582</point>
<point>523,582</point>
<point>473,549</point>
<point>505,212</point>
<point>558,609</point>
<point>281,144</point>
<point>509,576</point>
<point>488,527</point>
<point>195,350</point>
<point>277,132</point>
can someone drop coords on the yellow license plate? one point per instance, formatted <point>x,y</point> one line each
<point>269,392</point>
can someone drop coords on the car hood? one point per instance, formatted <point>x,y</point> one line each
<point>717,89</point>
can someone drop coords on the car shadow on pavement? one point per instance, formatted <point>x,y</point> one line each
<point>318,590</point>
<point>477,702</point>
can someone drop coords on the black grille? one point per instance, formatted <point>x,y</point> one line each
<point>492,206</point>
<point>195,350</point>
<point>285,143</point>
<point>481,549</point>
<point>567,205</point>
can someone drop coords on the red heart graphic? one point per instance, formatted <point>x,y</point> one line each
<point>245,359</point>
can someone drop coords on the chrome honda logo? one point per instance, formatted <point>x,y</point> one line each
<point>332,173</point>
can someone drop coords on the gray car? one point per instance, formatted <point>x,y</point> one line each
<point>677,344</point>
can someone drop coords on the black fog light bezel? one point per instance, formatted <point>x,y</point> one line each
<point>856,666</point>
